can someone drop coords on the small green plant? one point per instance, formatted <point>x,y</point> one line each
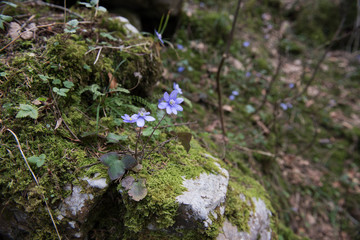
<point>93,4</point>
<point>27,111</point>
<point>71,26</point>
<point>38,160</point>
<point>6,18</point>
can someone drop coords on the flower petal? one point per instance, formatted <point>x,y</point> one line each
<point>135,116</point>
<point>163,105</point>
<point>168,110</point>
<point>140,122</point>
<point>179,100</point>
<point>178,108</point>
<point>149,118</point>
<point>173,94</point>
<point>174,111</point>
<point>166,97</point>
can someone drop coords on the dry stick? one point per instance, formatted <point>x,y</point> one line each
<point>317,67</point>
<point>268,89</point>
<point>37,182</point>
<point>60,8</point>
<point>224,56</point>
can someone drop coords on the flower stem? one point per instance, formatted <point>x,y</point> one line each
<point>136,146</point>
<point>147,141</point>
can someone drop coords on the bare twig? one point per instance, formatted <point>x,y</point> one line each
<point>224,56</point>
<point>60,8</point>
<point>37,182</point>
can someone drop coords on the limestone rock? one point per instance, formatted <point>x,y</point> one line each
<point>259,224</point>
<point>203,197</point>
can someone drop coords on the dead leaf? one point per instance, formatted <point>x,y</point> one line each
<point>127,182</point>
<point>112,81</point>
<point>58,123</point>
<point>29,31</point>
<point>228,108</point>
<point>185,139</point>
<point>14,30</point>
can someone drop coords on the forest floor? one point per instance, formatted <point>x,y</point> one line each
<point>296,123</point>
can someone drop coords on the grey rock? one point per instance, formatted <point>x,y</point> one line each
<point>259,224</point>
<point>203,197</point>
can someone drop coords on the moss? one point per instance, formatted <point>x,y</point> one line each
<point>248,187</point>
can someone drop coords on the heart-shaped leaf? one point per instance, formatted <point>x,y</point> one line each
<point>185,139</point>
<point>127,182</point>
<point>129,162</point>
<point>138,190</point>
<point>114,138</point>
<point>116,170</point>
<point>109,158</point>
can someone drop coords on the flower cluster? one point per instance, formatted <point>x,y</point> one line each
<point>169,102</point>
<point>286,106</point>
<point>233,94</point>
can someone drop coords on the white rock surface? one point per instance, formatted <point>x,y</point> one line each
<point>259,224</point>
<point>75,202</point>
<point>203,196</point>
<point>130,29</point>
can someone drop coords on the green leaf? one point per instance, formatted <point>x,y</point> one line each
<point>88,5</point>
<point>5,18</point>
<point>27,111</point>
<point>129,162</point>
<point>138,190</point>
<point>187,101</point>
<point>120,89</point>
<point>127,182</point>
<point>250,108</point>
<point>38,160</point>
<point>73,23</point>
<point>87,67</point>
<point>116,170</point>
<point>109,158</point>
<point>2,74</point>
<point>101,9</point>
<point>10,4</point>
<point>68,84</point>
<point>185,139</point>
<point>108,36</point>
<point>61,91</point>
<point>114,138</point>
<point>56,81</point>
<point>43,77</point>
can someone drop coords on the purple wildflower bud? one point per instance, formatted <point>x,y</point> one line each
<point>284,106</point>
<point>177,88</point>
<point>126,118</point>
<point>248,74</point>
<point>142,117</point>
<point>158,35</point>
<point>246,44</point>
<point>289,105</point>
<point>181,69</point>
<point>180,47</point>
<point>171,103</point>
<point>232,97</point>
<point>235,93</point>
<point>291,85</point>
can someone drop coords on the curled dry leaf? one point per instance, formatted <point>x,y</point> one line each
<point>112,81</point>
<point>14,30</point>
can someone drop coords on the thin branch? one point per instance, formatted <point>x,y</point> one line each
<point>268,89</point>
<point>224,56</point>
<point>37,182</point>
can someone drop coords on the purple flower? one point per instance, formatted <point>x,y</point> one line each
<point>232,97</point>
<point>142,117</point>
<point>180,47</point>
<point>181,69</point>
<point>158,35</point>
<point>246,44</point>
<point>177,88</point>
<point>171,103</point>
<point>283,106</point>
<point>126,118</point>
<point>291,85</point>
<point>235,93</point>
<point>248,74</point>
